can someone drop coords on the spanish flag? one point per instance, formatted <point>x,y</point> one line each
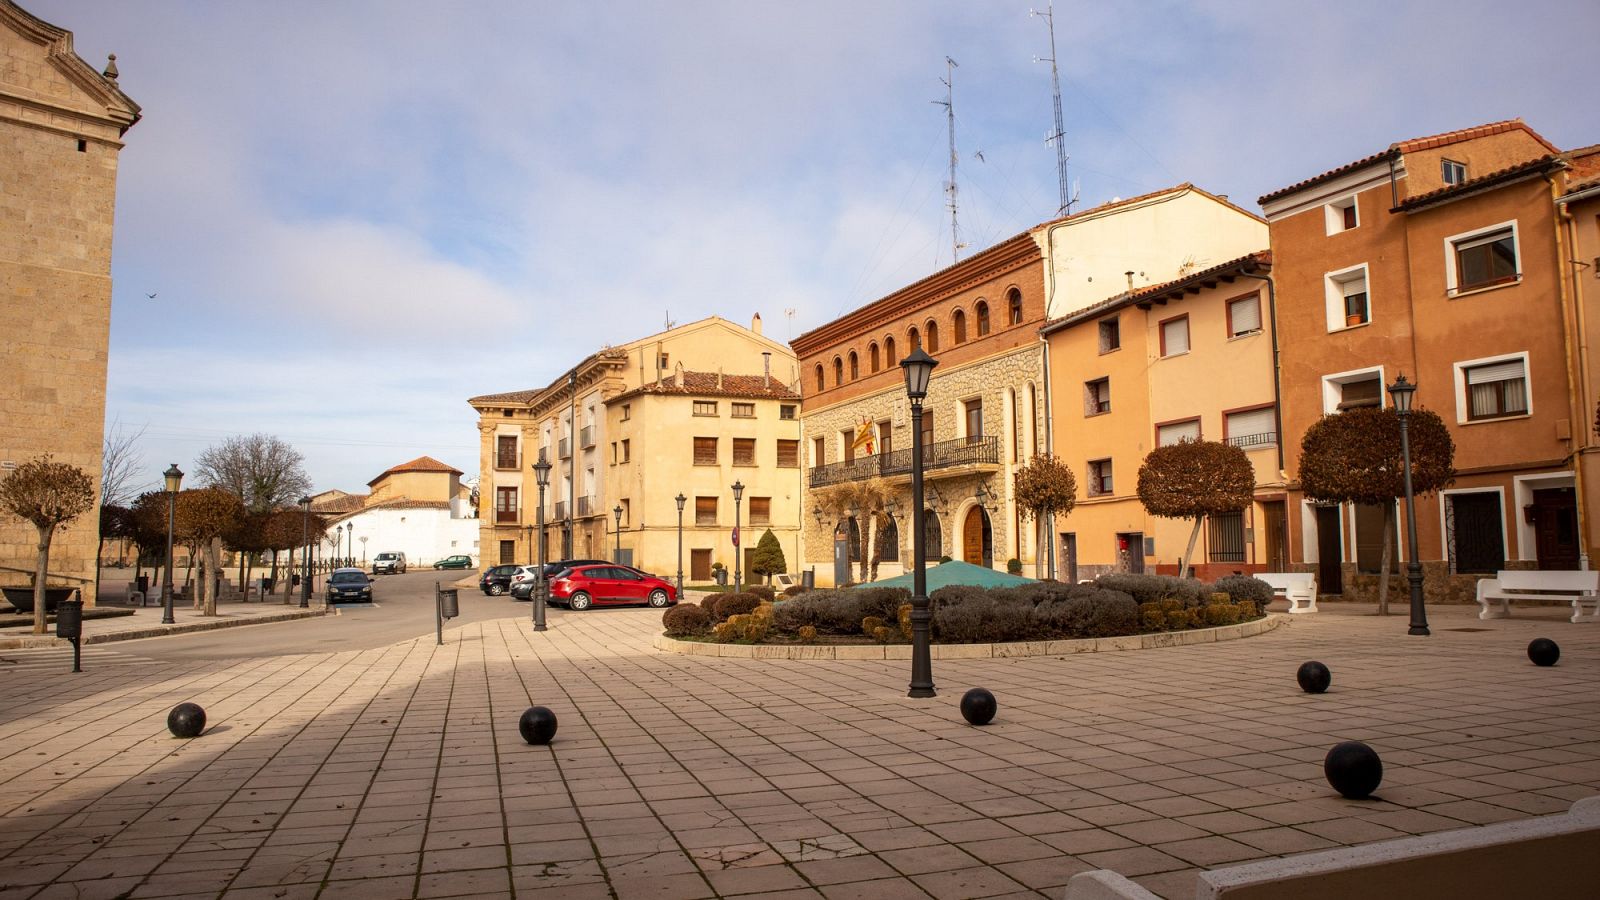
<point>866,439</point>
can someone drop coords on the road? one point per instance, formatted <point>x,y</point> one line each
<point>401,609</point>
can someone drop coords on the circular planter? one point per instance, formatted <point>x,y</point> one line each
<point>22,597</point>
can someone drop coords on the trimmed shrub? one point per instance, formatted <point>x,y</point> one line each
<point>903,616</point>
<point>870,625</point>
<point>1148,588</point>
<point>1222,613</point>
<point>739,604</point>
<point>1098,614</point>
<point>1244,587</point>
<point>795,590</point>
<point>764,591</point>
<point>883,634</point>
<point>1014,566</point>
<point>709,604</point>
<point>983,620</point>
<point>686,620</point>
<point>806,633</point>
<point>837,610</point>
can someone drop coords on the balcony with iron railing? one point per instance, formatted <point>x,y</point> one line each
<point>561,509</point>
<point>1253,441</point>
<point>962,455</point>
<point>586,506</point>
<point>586,437</point>
<point>564,449</point>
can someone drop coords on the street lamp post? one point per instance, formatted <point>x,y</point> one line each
<point>174,480</point>
<point>616,556</point>
<point>541,473</point>
<point>1400,392</point>
<point>738,540</point>
<point>305,553</point>
<point>680,499</point>
<point>349,542</point>
<point>918,368</point>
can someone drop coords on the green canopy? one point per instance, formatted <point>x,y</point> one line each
<point>955,572</point>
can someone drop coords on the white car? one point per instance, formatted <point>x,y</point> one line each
<point>389,561</point>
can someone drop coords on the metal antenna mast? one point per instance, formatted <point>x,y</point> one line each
<point>950,186</point>
<point>1058,137</point>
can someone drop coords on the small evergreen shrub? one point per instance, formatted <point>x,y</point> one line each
<point>1147,588</point>
<point>1014,566</point>
<point>709,604</point>
<point>739,604</point>
<point>806,633</point>
<point>764,591</point>
<point>870,625</point>
<point>794,590</point>
<point>1244,587</point>
<point>686,620</point>
<point>883,634</point>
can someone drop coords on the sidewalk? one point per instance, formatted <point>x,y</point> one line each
<point>398,772</point>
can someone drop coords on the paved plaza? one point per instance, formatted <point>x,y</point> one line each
<point>398,771</point>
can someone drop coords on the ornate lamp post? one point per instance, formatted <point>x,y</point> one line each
<point>174,479</point>
<point>616,556</point>
<point>1400,392</point>
<point>919,369</point>
<point>680,500</point>
<point>349,542</point>
<point>738,551</point>
<point>305,554</point>
<point>541,474</point>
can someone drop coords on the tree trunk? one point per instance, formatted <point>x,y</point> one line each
<point>1183,564</point>
<point>274,575</point>
<point>214,558</point>
<point>200,583</point>
<point>288,580</point>
<point>866,546</point>
<point>46,532</point>
<point>1388,560</point>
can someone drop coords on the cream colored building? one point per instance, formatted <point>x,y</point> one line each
<point>61,128</point>
<point>575,423</point>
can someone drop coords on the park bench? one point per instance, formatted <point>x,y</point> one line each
<point>1532,857</point>
<point>1581,588</point>
<point>1299,588</point>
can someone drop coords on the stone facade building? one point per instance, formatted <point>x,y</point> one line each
<point>61,128</point>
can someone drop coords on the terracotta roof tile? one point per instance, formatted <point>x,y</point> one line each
<point>713,384</point>
<point>1408,146</point>
<point>344,504</point>
<point>1250,262</point>
<point>422,464</point>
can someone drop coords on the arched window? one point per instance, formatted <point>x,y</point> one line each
<point>872,356</point>
<point>983,317</point>
<point>932,339</point>
<point>888,539</point>
<point>838,371</point>
<point>889,359</point>
<point>855,366</point>
<point>820,385</point>
<point>1014,304</point>
<point>914,338</point>
<point>959,321</point>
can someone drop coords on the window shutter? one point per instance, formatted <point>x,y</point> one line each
<point>1251,422</point>
<point>1503,371</point>
<point>1177,336</point>
<point>1180,431</point>
<point>1246,315</point>
<point>1355,286</point>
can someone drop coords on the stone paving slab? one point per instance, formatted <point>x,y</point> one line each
<point>145,622</point>
<point>398,772</point>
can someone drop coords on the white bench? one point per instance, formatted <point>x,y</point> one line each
<point>1582,588</point>
<point>1299,588</point>
<point>1540,857</point>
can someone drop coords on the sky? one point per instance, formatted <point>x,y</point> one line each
<point>354,216</point>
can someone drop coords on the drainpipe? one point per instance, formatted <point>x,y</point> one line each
<point>1050,447</point>
<point>1277,365</point>
<point>1577,402</point>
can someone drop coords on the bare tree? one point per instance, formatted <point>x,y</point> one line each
<point>120,463</point>
<point>261,470</point>
<point>48,494</point>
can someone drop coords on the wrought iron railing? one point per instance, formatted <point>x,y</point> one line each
<point>585,506</point>
<point>561,509</point>
<point>971,451</point>
<point>1265,439</point>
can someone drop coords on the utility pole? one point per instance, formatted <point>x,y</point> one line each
<point>949,105</point>
<point>1057,137</point>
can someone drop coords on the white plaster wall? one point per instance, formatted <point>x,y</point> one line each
<point>423,535</point>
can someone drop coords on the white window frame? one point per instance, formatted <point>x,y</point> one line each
<point>1459,374</point>
<point>1333,210</point>
<point>1446,161</point>
<point>1331,395</point>
<point>1333,286</point>
<point>1451,273</point>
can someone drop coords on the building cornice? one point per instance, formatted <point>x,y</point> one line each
<point>120,110</point>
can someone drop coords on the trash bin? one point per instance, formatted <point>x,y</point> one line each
<point>143,582</point>
<point>722,576</point>
<point>294,580</point>
<point>449,603</point>
<point>69,619</point>
<point>809,579</point>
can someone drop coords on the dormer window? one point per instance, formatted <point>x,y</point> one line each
<point>1342,215</point>
<point>1452,172</point>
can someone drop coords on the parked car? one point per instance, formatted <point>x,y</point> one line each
<point>389,561</point>
<point>584,586</point>
<point>349,584</point>
<point>454,562</point>
<point>523,589</point>
<point>496,580</point>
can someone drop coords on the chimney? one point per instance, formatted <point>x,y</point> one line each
<point>1129,273</point>
<point>766,369</point>
<point>677,375</point>
<point>719,378</point>
<point>755,323</point>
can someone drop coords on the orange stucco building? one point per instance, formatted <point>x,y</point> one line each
<point>1441,258</point>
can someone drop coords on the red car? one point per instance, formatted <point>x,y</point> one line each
<point>584,586</point>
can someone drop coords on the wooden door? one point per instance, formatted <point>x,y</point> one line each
<point>972,537</point>
<point>1069,553</point>
<point>1276,536</point>
<point>1330,574</point>
<point>700,566</point>
<point>1555,528</point>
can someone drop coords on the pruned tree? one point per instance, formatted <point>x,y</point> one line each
<point>768,559</point>
<point>120,463</point>
<point>1045,488</point>
<point>261,470</point>
<point>869,498</point>
<point>1355,457</point>
<point>246,538</point>
<point>203,516</point>
<point>149,527</point>
<point>286,529</point>
<point>1195,479</point>
<point>47,494</point>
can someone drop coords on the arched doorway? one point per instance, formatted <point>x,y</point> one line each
<point>977,538</point>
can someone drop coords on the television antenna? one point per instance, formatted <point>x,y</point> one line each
<point>949,105</point>
<point>1057,138</point>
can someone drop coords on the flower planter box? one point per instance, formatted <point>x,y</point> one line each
<point>22,597</point>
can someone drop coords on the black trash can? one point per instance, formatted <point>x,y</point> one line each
<point>143,584</point>
<point>449,603</point>
<point>69,619</point>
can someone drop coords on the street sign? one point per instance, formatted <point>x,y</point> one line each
<point>736,537</point>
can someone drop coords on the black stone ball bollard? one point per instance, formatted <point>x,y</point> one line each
<point>1544,652</point>
<point>978,706</point>
<point>1314,677</point>
<point>1353,769</point>
<point>538,725</point>
<point>186,720</point>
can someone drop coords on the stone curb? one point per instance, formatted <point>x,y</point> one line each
<point>134,634</point>
<point>977,651</point>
